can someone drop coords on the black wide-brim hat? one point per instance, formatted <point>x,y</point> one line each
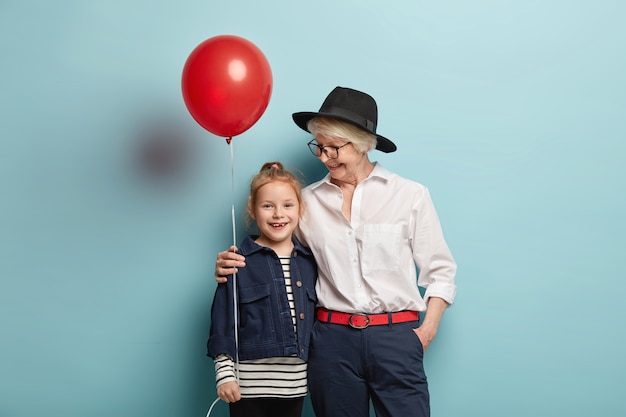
<point>351,106</point>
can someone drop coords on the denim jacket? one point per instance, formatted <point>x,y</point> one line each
<point>265,323</point>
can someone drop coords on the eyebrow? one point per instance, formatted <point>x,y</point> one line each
<point>285,201</point>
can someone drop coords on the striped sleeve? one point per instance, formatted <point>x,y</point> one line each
<point>224,370</point>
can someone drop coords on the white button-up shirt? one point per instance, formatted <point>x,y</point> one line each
<point>368,264</point>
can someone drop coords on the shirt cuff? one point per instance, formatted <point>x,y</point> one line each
<point>445,291</point>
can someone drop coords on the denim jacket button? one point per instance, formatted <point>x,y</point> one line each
<point>301,316</point>
<point>298,283</point>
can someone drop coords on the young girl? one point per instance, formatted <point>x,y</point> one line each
<point>276,307</point>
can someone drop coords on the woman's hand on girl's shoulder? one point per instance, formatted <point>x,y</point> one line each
<point>227,263</point>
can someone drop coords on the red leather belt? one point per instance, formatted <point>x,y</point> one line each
<point>362,320</point>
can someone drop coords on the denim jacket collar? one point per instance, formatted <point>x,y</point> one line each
<point>249,246</point>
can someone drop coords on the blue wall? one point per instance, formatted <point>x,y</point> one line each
<point>114,201</point>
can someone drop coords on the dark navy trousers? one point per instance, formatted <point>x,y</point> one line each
<point>349,367</point>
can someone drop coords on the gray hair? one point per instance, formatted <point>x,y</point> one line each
<point>362,140</point>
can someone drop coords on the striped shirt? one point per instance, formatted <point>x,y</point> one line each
<point>281,377</point>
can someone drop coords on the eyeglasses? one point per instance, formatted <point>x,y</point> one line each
<point>332,152</point>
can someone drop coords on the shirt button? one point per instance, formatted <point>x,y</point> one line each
<point>298,283</point>
<point>301,316</point>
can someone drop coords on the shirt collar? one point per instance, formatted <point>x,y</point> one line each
<point>378,172</point>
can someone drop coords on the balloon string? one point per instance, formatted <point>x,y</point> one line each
<point>232,216</point>
<point>212,405</point>
<point>236,310</point>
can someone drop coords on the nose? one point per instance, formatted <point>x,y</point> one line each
<point>278,213</point>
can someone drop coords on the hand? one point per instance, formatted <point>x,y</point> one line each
<point>428,329</point>
<point>425,336</point>
<point>229,392</point>
<point>227,263</point>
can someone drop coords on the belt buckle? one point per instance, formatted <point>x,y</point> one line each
<point>359,326</point>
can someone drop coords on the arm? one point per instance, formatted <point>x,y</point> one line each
<point>437,268</point>
<point>227,385</point>
<point>428,329</point>
<point>227,263</point>
<point>221,332</point>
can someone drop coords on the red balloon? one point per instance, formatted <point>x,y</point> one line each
<point>227,84</point>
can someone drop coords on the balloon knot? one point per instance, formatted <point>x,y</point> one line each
<point>228,139</point>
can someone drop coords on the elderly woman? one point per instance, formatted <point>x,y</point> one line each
<point>368,229</point>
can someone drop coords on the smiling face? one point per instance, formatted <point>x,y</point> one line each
<point>349,165</point>
<point>276,211</point>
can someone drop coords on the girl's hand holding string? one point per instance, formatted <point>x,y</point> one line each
<point>229,392</point>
